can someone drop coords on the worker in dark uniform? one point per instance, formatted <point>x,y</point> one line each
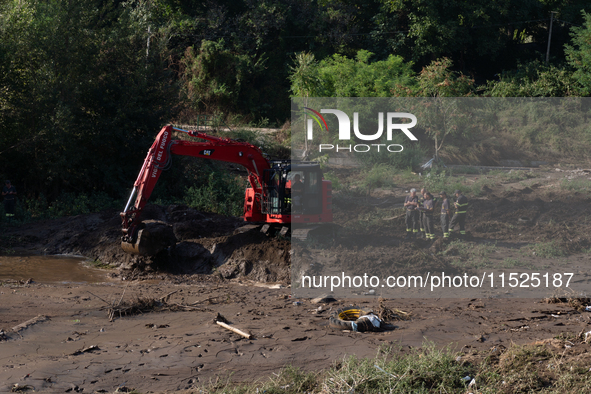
<point>297,192</point>
<point>422,198</point>
<point>411,203</point>
<point>421,213</point>
<point>459,217</point>
<point>9,194</point>
<point>427,210</point>
<point>444,214</point>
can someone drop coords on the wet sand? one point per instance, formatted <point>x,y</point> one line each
<point>79,348</point>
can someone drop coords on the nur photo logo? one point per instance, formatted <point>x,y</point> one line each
<point>392,122</point>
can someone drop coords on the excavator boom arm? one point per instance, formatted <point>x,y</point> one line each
<point>159,158</point>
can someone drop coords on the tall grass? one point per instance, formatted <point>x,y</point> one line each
<point>426,370</point>
<point>519,369</point>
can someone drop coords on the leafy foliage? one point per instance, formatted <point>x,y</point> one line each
<point>579,54</point>
<point>340,76</point>
<point>221,194</point>
<point>534,79</point>
<point>344,77</point>
<point>218,79</point>
<point>441,115</point>
<point>304,76</point>
<point>439,80</point>
<point>82,98</point>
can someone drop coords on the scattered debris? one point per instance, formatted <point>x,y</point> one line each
<point>386,314</point>
<point>17,388</point>
<point>139,306</point>
<point>578,303</point>
<point>123,389</point>
<point>29,323</point>
<point>152,325</point>
<point>146,305</point>
<point>325,299</point>
<point>356,319</point>
<point>86,350</point>
<point>20,282</point>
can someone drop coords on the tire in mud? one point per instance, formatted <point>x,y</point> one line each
<point>349,317</point>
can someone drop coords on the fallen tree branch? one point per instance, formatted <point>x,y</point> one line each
<point>222,321</point>
<point>234,329</point>
<point>28,323</point>
<point>167,297</point>
<point>108,303</point>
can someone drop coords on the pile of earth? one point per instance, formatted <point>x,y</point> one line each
<point>206,244</point>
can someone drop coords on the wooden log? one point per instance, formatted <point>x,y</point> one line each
<point>28,323</point>
<point>234,329</point>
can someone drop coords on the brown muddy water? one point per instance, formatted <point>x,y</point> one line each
<point>50,269</point>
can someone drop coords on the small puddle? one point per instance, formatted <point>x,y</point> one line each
<point>49,269</point>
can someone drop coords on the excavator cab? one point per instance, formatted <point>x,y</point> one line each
<point>306,188</point>
<point>293,188</point>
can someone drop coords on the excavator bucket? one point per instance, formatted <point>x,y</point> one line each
<point>155,237</point>
<point>142,245</point>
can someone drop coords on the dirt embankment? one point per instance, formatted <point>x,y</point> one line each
<point>206,243</point>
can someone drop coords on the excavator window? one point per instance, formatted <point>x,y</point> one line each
<point>275,192</point>
<point>293,190</point>
<point>296,191</point>
<point>312,192</point>
<point>307,198</point>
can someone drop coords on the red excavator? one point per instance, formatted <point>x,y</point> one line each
<point>281,192</point>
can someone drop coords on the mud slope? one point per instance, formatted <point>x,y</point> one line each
<point>206,243</point>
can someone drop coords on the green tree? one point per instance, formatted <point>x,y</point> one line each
<point>82,96</point>
<point>446,28</point>
<point>219,79</point>
<point>439,80</point>
<point>442,113</point>
<point>579,54</point>
<point>305,82</point>
<point>304,78</point>
<point>340,76</point>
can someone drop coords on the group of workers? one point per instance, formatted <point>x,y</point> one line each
<point>420,213</point>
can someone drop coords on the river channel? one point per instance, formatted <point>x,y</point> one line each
<point>50,269</point>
